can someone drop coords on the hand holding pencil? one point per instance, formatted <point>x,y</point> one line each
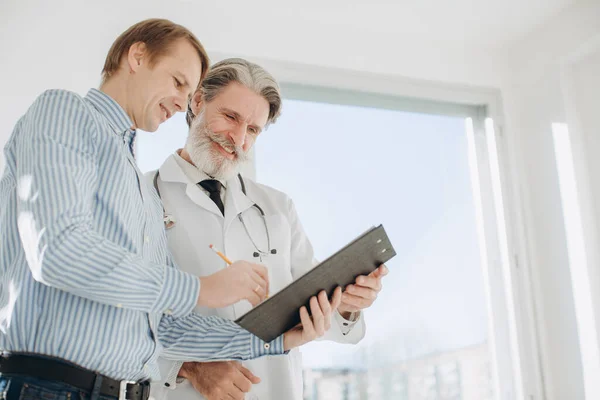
<point>227,260</point>
<point>242,280</point>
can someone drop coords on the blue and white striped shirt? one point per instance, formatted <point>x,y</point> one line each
<point>85,274</point>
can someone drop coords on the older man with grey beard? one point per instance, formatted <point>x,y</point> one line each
<point>207,202</point>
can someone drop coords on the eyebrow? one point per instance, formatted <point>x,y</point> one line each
<point>238,117</point>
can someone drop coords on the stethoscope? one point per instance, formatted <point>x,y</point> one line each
<point>169,221</point>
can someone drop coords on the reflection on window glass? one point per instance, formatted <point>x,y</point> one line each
<point>348,168</point>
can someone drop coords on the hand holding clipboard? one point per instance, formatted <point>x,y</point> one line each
<point>279,313</point>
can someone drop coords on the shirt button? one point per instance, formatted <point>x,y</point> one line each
<point>267,346</point>
<point>168,311</point>
<point>147,239</point>
<point>120,305</point>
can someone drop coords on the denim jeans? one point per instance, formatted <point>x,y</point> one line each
<point>28,388</point>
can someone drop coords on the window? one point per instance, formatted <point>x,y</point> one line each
<point>442,327</point>
<point>350,167</point>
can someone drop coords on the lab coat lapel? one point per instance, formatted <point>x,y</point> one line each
<point>236,201</point>
<point>170,171</point>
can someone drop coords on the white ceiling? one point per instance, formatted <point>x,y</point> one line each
<point>454,41</point>
<point>475,22</point>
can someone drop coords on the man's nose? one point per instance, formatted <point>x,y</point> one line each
<point>238,134</point>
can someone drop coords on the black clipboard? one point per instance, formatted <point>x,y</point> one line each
<point>280,313</point>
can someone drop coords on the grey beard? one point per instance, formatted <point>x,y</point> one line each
<point>199,146</point>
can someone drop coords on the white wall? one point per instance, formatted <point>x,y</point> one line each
<point>534,99</point>
<point>62,44</point>
<point>582,96</point>
<point>584,74</point>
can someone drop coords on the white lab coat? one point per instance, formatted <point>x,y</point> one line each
<point>199,223</point>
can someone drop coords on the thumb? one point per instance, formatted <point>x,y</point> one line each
<point>336,299</point>
<point>251,377</point>
<point>379,272</point>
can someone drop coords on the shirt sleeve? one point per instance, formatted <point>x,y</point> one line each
<point>169,369</point>
<point>201,338</point>
<point>352,331</point>
<point>57,177</point>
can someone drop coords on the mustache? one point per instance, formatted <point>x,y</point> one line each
<point>206,158</point>
<point>226,143</point>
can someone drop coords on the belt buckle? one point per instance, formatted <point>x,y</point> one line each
<point>123,389</point>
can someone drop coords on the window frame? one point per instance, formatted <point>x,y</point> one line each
<point>516,345</point>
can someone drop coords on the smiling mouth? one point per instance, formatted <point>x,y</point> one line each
<point>228,150</point>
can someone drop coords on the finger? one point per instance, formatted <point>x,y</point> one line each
<point>242,383</point>
<point>260,291</point>
<point>348,308</point>
<point>361,291</point>
<point>235,394</point>
<point>261,270</point>
<point>384,270</point>
<point>326,309</point>
<point>369,282</point>
<point>317,316</point>
<point>220,395</point>
<point>260,281</point>
<point>355,301</point>
<point>336,299</point>
<point>249,375</point>
<point>253,298</point>
<point>324,302</point>
<point>257,285</point>
<point>307,325</point>
<point>381,271</point>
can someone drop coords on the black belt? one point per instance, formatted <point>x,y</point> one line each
<point>54,369</point>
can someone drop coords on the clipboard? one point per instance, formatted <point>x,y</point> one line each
<point>280,313</point>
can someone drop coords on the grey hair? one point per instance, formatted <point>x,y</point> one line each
<point>251,75</point>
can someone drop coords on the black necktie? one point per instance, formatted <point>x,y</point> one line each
<point>213,187</point>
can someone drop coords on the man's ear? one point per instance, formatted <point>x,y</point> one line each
<point>136,56</point>
<point>196,102</point>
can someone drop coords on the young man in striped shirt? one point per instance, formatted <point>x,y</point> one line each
<point>89,294</point>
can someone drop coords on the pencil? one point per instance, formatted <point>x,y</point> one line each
<point>223,256</point>
<point>227,260</point>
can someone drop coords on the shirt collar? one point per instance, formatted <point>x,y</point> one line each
<point>193,174</point>
<point>115,115</point>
